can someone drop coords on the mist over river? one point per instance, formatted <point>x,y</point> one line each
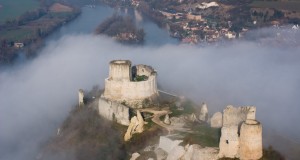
<point>37,95</point>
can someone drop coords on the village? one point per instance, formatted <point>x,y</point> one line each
<point>207,22</point>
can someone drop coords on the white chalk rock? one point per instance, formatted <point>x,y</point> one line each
<point>176,153</point>
<point>216,120</point>
<point>134,156</point>
<point>167,144</point>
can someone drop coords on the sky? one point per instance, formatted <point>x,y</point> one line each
<point>37,95</point>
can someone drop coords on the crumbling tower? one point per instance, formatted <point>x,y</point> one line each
<point>241,134</point>
<point>81,97</point>
<point>120,70</point>
<point>250,140</point>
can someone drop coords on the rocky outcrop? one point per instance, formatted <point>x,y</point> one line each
<point>167,119</point>
<point>176,153</point>
<point>178,121</point>
<point>114,111</point>
<point>134,156</point>
<point>136,126</point>
<point>216,120</point>
<point>196,152</point>
<point>161,154</point>
<point>140,126</point>
<point>203,116</point>
<point>167,144</point>
<point>131,128</point>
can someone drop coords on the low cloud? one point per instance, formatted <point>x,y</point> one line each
<point>36,96</point>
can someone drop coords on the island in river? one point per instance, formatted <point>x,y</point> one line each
<point>122,29</point>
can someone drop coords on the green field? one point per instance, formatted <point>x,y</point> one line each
<point>288,5</point>
<point>11,9</point>
<point>16,34</point>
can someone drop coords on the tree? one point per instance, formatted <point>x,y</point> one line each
<point>278,14</point>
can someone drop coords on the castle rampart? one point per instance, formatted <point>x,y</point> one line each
<point>114,111</point>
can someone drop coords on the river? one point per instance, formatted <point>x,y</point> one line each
<point>90,18</point>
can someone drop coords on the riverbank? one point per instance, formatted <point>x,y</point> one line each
<point>26,34</point>
<point>205,23</point>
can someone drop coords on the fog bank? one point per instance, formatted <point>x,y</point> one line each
<point>36,97</point>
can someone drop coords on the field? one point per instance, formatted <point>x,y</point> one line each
<point>287,5</point>
<point>16,34</point>
<point>11,9</point>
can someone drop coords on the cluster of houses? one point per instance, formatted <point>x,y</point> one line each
<point>194,28</point>
<point>135,3</point>
<point>208,33</point>
<point>192,24</point>
<point>125,36</point>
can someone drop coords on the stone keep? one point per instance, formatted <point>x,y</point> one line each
<point>122,87</point>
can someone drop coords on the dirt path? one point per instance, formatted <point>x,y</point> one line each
<point>156,119</point>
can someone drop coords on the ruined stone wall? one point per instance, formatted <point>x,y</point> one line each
<point>130,91</point>
<point>81,97</point>
<point>114,111</point>
<point>235,116</point>
<point>229,141</point>
<point>251,140</point>
<point>216,120</point>
<point>144,70</point>
<point>244,143</point>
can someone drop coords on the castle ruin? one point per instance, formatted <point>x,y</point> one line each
<point>127,88</point>
<point>241,134</point>
<point>81,97</point>
<point>134,86</point>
